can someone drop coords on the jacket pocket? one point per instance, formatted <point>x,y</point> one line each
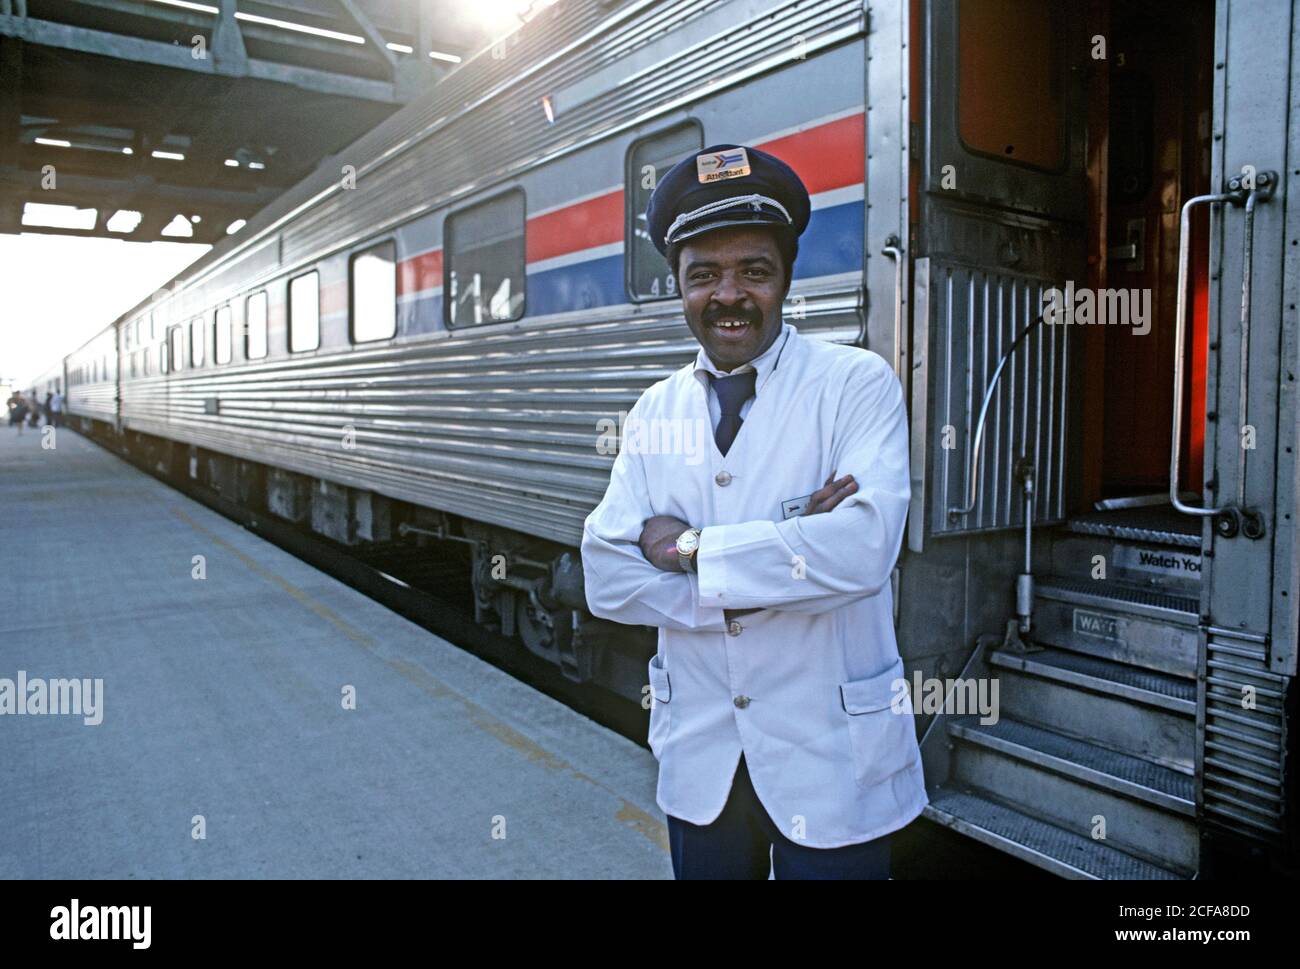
<point>881,731</point>
<point>661,690</point>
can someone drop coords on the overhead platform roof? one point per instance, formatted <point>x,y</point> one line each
<point>169,119</point>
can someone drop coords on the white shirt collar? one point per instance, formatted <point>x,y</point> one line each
<point>763,363</point>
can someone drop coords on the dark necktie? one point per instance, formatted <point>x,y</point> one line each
<point>732,392</point>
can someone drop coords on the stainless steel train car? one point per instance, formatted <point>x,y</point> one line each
<point>1066,225</point>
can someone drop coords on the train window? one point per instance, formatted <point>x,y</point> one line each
<point>153,325</point>
<point>484,250</point>
<point>648,276</point>
<point>222,352</point>
<point>374,293</point>
<point>138,325</point>
<point>197,341</point>
<point>255,326</point>
<point>304,312</point>
<point>145,361</point>
<point>126,335</point>
<point>176,356</point>
<point>1011,96</point>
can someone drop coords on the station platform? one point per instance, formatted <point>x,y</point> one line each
<point>223,711</point>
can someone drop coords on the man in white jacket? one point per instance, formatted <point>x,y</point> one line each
<point>780,716</point>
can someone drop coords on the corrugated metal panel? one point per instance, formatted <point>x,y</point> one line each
<point>1244,749</point>
<point>499,424</point>
<point>976,316</point>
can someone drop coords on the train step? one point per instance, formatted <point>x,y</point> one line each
<point>1144,808</point>
<point>1089,769</point>
<point>1139,712</point>
<point>1038,842</point>
<point>1135,777</point>
<point>1142,547</point>
<point>1120,680</point>
<point>1152,629</point>
<point>1149,525</point>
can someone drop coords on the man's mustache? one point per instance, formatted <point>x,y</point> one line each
<point>726,313</point>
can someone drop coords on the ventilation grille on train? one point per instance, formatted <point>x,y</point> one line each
<point>1243,748</point>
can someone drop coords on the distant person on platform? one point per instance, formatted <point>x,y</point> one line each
<point>54,408</point>
<point>18,410</point>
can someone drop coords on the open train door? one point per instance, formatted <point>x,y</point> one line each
<point>999,212</point>
<point>1248,508</point>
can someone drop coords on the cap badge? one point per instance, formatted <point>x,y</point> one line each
<point>715,166</point>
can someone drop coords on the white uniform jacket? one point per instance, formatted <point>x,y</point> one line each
<point>811,687</point>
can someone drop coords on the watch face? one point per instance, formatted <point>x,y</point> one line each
<point>688,542</point>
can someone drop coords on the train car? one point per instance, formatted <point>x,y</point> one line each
<point>91,377</point>
<point>1064,225</point>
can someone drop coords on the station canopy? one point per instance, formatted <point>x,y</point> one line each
<point>174,120</point>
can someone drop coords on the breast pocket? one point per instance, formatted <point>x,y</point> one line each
<point>881,731</point>
<point>660,706</point>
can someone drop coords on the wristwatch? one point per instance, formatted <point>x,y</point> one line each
<point>688,543</point>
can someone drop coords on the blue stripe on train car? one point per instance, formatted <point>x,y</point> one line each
<point>832,243</point>
<point>582,285</point>
<point>420,315</point>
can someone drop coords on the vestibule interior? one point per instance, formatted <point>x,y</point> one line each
<point>1150,136</point>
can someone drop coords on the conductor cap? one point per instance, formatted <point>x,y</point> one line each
<point>724,186</point>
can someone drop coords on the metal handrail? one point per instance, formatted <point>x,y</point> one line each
<point>973,475</point>
<point>893,249</point>
<point>1180,329</point>
<point>1240,192</point>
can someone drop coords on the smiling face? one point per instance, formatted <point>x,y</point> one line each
<point>732,284</point>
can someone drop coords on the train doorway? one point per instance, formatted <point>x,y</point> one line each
<point>1054,171</point>
<point>1150,112</point>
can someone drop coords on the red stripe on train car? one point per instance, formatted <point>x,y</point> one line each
<point>420,273</point>
<point>334,298</point>
<point>826,156</point>
<point>594,222</point>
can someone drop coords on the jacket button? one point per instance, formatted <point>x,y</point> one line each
<point>741,701</point>
<point>734,628</point>
<point>722,478</point>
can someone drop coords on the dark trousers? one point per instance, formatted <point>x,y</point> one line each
<point>736,845</point>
